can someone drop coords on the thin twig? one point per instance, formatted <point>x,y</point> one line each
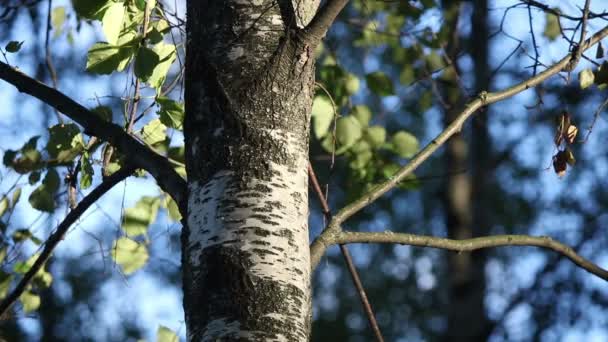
<point>58,235</point>
<point>348,259</point>
<point>48,57</point>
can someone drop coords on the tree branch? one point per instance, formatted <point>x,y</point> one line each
<point>483,99</point>
<point>138,154</point>
<point>467,245</point>
<point>58,235</point>
<point>319,25</point>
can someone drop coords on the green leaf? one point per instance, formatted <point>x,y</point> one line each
<point>43,197</point>
<point>112,21</point>
<point>90,9</point>
<point>59,145</point>
<point>434,62</point>
<point>351,84</point>
<point>42,278</point>
<point>171,113</point>
<point>23,234</point>
<point>30,301</point>
<point>375,136</point>
<point>173,209</point>
<point>34,177</point>
<point>552,27</point>
<point>586,78</point>
<point>154,132</point>
<point>29,160</point>
<point>130,255</point>
<point>16,196</point>
<point>322,114</point>
<point>57,19</point>
<point>405,144</point>
<point>86,172</point>
<point>137,219</point>
<point>145,62</point>
<point>380,84</point>
<point>4,205</point>
<point>167,54</point>
<point>5,282</point>
<point>348,131</point>
<point>104,58</point>
<point>13,46</point>
<point>362,114</point>
<point>407,75</point>
<point>164,334</point>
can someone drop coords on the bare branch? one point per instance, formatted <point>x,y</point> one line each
<point>58,235</point>
<point>138,154</point>
<point>467,245</point>
<point>482,100</point>
<point>318,27</point>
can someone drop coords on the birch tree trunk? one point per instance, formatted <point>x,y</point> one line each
<point>249,91</point>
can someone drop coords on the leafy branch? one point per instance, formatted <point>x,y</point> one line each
<point>140,155</point>
<point>335,235</point>
<point>482,100</point>
<point>58,235</point>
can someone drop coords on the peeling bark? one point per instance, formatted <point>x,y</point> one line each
<point>249,91</point>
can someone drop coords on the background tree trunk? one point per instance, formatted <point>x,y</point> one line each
<point>467,319</point>
<point>249,91</point>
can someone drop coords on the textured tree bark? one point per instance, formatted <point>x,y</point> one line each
<point>249,91</point>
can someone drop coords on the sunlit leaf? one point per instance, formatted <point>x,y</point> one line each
<point>164,334</point>
<point>586,78</point>
<point>166,54</point>
<point>322,115</point>
<point>154,132</point>
<point>57,19</point>
<point>405,144</point>
<point>362,114</point>
<point>59,145</point>
<point>137,219</point>
<point>552,27</point>
<point>4,205</point>
<point>86,172</point>
<point>43,197</point>
<point>348,131</point>
<point>30,301</point>
<point>130,255</point>
<point>375,136</point>
<point>112,21</point>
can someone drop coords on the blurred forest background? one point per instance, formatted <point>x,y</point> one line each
<point>496,177</point>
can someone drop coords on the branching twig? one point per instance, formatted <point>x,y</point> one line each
<point>316,30</point>
<point>58,235</point>
<point>140,155</point>
<point>467,245</point>
<point>484,99</point>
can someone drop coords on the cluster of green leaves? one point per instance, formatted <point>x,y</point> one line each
<point>68,148</point>
<point>369,150</point>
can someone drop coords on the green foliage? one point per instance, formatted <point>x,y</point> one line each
<point>27,159</point>
<point>13,46</point>
<point>112,21</point>
<point>586,78</point>
<point>167,53</point>
<point>137,219</point>
<point>43,197</point>
<point>380,84</point>
<point>65,142</point>
<point>348,131</point>
<point>552,26</point>
<point>90,9</point>
<point>58,16</point>
<point>405,144</point>
<point>171,113</point>
<point>129,255</point>
<point>30,301</point>
<point>104,58</point>
<point>154,132</point>
<point>145,62</point>
<point>322,115</point>
<point>164,334</point>
<point>363,114</point>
